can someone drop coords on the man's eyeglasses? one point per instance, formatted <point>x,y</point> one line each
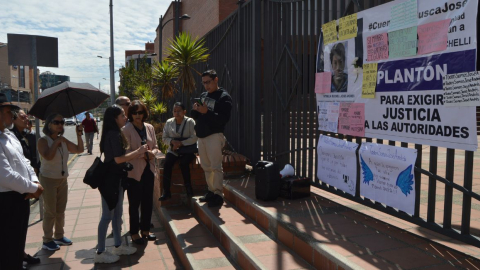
<point>56,122</point>
<point>125,104</point>
<point>138,113</point>
<point>207,82</point>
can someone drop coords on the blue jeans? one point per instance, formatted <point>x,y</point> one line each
<point>89,140</point>
<point>116,217</point>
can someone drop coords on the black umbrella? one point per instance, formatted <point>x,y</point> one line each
<point>68,99</point>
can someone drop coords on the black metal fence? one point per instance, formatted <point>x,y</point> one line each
<point>265,55</point>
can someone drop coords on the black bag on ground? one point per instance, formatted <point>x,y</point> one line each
<point>267,180</point>
<point>96,173</point>
<point>187,149</point>
<point>294,187</point>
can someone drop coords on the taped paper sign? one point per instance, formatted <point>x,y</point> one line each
<point>330,32</point>
<point>433,37</point>
<point>377,47</point>
<point>337,163</point>
<point>402,43</point>
<point>369,80</point>
<point>323,82</point>
<point>351,119</point>
<point>347,27</point>
<point>403,15</point>
<point>386,175</point>
<point>462,89</point>
<point>328,116</point>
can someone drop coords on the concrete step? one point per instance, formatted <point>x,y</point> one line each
<point>331,232</point>
<point>194,244</point>
<point>249,245</point>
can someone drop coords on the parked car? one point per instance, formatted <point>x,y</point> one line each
<point>71,121</point>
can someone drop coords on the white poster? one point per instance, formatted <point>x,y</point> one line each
<point>328,113</point>
<point>409,103</point>
<point>337,163</point>
<point>386,175</point>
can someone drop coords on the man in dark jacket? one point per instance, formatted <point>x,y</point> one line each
<point>211,113</point>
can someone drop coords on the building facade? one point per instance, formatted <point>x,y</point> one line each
<point>204,16</point>
<point>49,79</point>
<point>16,82</point>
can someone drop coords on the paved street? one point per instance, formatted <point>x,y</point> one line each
<point>81,221</point>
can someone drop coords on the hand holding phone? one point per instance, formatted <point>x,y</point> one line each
<point>198,100</point>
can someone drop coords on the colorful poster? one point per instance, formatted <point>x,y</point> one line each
<point>402,43</point>
<point>409,104</point>
<point>328,116</point>
<point>369,80</point>
<point>323,82</point>
<point>337,163</point>
<point>351,119</point>
<point>387,175</point>
<point>347,27</point>
<point>377,47</point>
<point>433,37</point>
<point>462,89</point>
<point>330,34</point>
<point>403,15</point>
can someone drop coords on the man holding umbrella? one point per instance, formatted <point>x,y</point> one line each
<point>90,128</point>
<point>17,184</point>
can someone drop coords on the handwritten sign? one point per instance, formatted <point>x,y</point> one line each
<point>323,82</point>
<point>351,119</point>
<point>387,175</point>
<point>403,15</point>
<point>402,43</point>
<point>328,116</point>
<point>330,32</point>
<point>369,80</point>
<point>462,89</point>
<point>347,27</point>
<point>337,163</point>
<point>433,37</point>
<point>377,47</point>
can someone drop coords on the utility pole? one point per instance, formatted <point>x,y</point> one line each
<point>112,74</point>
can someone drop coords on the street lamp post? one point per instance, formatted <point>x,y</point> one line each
<point>112,73</point>
<point>160,36</point>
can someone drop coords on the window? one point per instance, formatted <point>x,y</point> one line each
<point>21,82</point>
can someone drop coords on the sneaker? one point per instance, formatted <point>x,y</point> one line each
<point>207,197</point>
<point>123,250</point>
<point>216,201</point>
<point>63,241</point>
<point>31,260</point>
<point>50,246</point>
<point>105,257</point>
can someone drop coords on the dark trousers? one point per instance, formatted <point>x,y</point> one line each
<point>170,160</point>
<point>140,194</point>
<point>15,211</point>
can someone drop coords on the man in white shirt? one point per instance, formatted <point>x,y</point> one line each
<point>18,183</point>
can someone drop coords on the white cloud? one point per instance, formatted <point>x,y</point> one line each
<point>83,31</point>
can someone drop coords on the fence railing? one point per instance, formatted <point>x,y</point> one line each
<point>265,55</point>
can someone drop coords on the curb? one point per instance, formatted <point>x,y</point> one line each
<point>71,160</point>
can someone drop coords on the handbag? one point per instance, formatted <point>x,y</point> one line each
<point>96,173</point>
<point>186,149</point>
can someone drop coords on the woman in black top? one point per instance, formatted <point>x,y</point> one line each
<point>113,144</point>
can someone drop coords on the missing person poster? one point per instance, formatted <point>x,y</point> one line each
<point>386,175</point>
<point>409,103</point>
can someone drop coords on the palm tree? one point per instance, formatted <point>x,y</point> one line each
<point>163,78</point>
<point>183,53</point>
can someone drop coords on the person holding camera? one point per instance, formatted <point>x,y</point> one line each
<point>114,144</point>
<point>211,114</point>
<point>54,150</point>
<point>178,133</point>
<point>141,179</point>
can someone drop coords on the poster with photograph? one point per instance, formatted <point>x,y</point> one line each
<point>386,175</point>
<point>409,103</point>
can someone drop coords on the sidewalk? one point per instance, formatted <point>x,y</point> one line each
<point>81,222</point>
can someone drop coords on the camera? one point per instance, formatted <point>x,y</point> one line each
<point>127,167</point>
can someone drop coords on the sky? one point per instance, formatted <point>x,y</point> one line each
<point>83,31</point>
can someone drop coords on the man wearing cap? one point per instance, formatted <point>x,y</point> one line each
<point>90,127</point>
<point>18,184</point>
